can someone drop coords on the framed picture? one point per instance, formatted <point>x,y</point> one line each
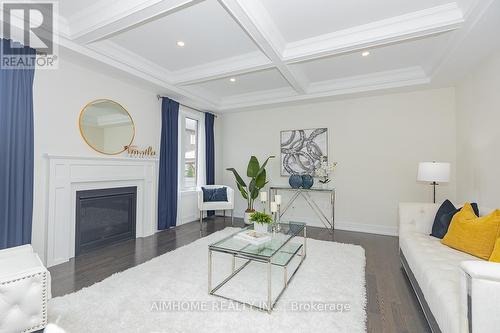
<point>301,150</point>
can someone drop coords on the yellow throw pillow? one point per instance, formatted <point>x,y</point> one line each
<point>473,235</point>
<point>495,255</point>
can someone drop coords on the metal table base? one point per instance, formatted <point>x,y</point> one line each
<point>329,223</point>
<point>270,303</point>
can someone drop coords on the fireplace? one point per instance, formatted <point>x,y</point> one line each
<point>104,217</point>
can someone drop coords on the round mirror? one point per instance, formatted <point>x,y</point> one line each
<point>106,126</point>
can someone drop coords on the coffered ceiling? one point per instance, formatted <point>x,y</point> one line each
<point>222,55</point>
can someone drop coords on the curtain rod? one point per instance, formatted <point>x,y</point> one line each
<point>160,97</point>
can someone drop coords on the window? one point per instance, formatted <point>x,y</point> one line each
<point>190,153</point>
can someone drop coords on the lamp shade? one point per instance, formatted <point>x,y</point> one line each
<point>433,172</point>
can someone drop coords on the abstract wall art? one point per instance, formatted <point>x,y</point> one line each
<point>301,150</point>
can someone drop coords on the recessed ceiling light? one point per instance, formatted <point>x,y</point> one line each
<point>232,79</point>
<point>365,53</point>
<point>180,43</point>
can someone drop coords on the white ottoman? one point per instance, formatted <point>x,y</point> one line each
<point>24,291</point>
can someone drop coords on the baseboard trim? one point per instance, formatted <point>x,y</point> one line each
<point>368,228</point>
<point>358,227</point>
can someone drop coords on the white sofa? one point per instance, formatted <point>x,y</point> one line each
<point>24,290</point>
<point>459,293</point>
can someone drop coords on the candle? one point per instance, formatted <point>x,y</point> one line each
<point>263,196</point>
<point>274,207</point>
<point>277,199</point>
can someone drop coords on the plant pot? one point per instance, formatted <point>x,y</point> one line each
<point>260,227</point>
<point>246,217</point>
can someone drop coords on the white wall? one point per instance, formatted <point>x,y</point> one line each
<point>478,138</point>
<point>59,96</point>
<point>378,142</point>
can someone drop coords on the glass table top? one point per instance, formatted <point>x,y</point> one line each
<point>312,189</point>
<point>277,249</point>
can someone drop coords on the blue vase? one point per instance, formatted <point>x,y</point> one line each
<point>295,181</point>
<point>307,181</point>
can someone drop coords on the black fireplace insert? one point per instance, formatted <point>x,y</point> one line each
<point>104,217</point>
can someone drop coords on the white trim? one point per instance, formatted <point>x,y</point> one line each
<point>400,28</point>
<point>249,62</point>
<point>66,175</point>
<point>368,228</point>
<point>362,83</point>
<point>384,230</point>
<point>105,18</point>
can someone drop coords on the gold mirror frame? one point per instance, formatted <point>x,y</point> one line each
<point>82,111</point>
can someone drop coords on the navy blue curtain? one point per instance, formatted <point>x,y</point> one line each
<point>167,183</point>
<point>210,152</point>
<point>16,150</point>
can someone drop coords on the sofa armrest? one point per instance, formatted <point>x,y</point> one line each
<point>230,196</point>
<point>199,193</point>
<point>417,217</point>
<point>484,270</point>
<point>481,296</point>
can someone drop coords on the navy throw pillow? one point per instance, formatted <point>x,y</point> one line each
<point>444,216</point>
<point>214,194</point>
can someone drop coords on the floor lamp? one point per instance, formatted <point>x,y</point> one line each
<point>434,172</point>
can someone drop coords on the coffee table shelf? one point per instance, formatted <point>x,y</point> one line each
<point>279,251</point>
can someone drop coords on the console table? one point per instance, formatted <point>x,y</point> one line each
<point>329,222</point>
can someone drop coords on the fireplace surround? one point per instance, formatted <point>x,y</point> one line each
<point>70,174</point>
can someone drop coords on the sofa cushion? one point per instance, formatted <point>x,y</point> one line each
<point>475,236</point>
<point>444,216</point>
<point>214,194</point>
<point>495,255</point>
<point>436,268</point>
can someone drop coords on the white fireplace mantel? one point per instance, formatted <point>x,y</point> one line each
<point>69,174</point>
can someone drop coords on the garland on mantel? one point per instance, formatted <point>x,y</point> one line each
<point>133,151</point>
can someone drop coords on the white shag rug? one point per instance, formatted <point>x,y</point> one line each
<point>169,294</point>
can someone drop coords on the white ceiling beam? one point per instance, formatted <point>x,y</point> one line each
<point>263,41</point>
<point>219,69</point>
<point>396,29</point>
<point>107,18</point>
<point>387,80</point>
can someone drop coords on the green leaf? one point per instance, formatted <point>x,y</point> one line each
<point>263,167</point>
<point>251,186</point>
<point>239,180</point>
<point>260,217</point>
<point>253,190</point>
<point>260,180</point>
<point>243,192</point>
<point>253,167</point>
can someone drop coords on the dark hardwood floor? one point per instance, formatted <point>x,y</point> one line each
<point>392,305</point>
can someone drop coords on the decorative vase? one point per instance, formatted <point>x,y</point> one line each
<point>295,181</point>
<point>246,218</point>
<point>307,181</point>
<point>260,227</point>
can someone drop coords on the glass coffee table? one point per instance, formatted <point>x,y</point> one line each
<point>278,251</point>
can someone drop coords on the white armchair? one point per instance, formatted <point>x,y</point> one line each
<point>216,205</point>
<point>24,290</point>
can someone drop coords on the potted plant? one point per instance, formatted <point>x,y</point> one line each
<point>250,192</point>
<point>261,221</point>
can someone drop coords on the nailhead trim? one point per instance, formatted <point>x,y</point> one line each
<point>44,296</point>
